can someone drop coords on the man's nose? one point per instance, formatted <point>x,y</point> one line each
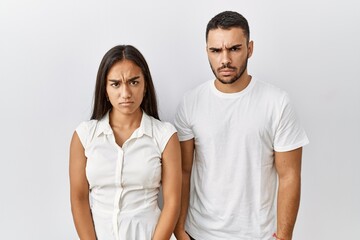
<point>225,58</point>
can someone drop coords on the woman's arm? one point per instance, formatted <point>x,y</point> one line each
<point>79,191</point>
<point>171,185</point>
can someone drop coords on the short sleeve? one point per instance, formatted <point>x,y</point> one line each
<point>168,131</point>
<point>182,123</point>
<point>83,132</point>
<point>289,134</point>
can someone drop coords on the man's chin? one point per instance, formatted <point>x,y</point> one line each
<point>227,81</point>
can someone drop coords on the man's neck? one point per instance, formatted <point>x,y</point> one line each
<point>235,87</point>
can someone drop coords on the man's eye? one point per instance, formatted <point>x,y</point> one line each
<point>115,84</point>
<point>215,50</point>
<point>234,49</point>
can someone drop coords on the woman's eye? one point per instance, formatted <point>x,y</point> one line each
<point>133,83</point>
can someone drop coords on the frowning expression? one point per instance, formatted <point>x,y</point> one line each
<point>228,52</point>
<point>125,87</point>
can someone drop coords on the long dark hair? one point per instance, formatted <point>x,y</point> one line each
<point>101,104</point>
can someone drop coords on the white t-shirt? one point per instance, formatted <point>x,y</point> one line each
<point>233,179</point>
<point>124,181</point>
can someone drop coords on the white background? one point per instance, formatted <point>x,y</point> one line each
<point>49,55</point>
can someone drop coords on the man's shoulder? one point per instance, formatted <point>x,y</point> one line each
<point>198,90</point>
<point>269,89</point>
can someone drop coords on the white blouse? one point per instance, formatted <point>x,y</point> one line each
<point>124,181</point>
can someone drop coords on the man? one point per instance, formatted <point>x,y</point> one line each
<point>238,134</point>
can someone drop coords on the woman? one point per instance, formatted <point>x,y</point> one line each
<point>122,156</point>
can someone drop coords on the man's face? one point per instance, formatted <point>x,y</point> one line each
<point>228,52</point>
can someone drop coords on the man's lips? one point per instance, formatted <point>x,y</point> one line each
<point>226,71</point>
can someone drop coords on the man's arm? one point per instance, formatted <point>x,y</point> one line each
<point>187,154</point>
<point>288,166</point>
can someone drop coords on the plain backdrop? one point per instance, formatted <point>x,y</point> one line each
<point>49,54</point>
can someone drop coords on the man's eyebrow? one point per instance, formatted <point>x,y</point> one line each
<point>235,46</point>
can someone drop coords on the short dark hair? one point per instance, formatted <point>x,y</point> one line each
<point>227,20</point>
<point>116,54</point>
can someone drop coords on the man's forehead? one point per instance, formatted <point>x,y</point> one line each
<point>226,37</point>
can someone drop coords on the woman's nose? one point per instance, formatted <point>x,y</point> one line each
<point>125,91</point>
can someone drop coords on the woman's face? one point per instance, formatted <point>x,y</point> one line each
<point>125,87</point>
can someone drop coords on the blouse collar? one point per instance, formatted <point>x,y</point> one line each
<point>144,128</point>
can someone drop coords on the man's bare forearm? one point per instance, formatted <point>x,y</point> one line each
<point>287,207</point>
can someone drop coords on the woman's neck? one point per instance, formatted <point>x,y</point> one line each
<point>122,121</point>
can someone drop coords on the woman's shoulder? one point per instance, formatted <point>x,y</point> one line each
<point>87,125</point>
<point>161,126</point>
<point>162,132</point>
<point>86,130</point>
